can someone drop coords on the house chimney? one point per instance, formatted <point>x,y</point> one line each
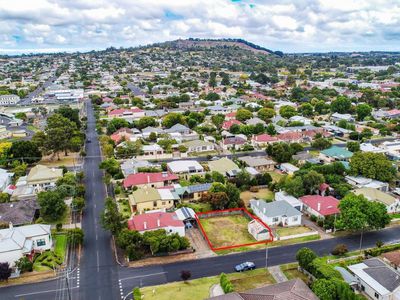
<point>148,178</point>
<point>264,210</point>
<point>158,223</point>
<point>145,225</point>
<point>10,225</point>
<point>319,206</point>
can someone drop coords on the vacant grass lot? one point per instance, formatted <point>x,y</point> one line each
<point>292,230</point>
<point>199,289</point>
<point>227,231</point>
<point>276,175</point>
<point>246,196</point>
<point>291,272</point>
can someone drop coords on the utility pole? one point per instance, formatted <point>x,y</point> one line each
<point>66,280</point>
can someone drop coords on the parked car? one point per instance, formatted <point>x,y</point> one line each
<point>245,266</point>
<point>88,141</point>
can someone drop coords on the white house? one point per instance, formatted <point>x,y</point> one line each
<point>338,117</point>
<point>359,182</point>
<point>288,168</point>
<point>293,201</point>
<point>276,213</point>
<point>377,279</point>
<point>9,99</point>
<point>199,146</point>
<point>16,242</point>
<point>185,167</point>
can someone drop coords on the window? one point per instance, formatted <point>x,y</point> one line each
<point>276,219</point>
<point>40,242</point>
<point>362,288</point>
<point>376,295</point>
<point>163,203</point>
<point>294,219</point>
<point>154,203</point>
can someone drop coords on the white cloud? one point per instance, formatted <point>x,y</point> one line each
<point>288,25</point>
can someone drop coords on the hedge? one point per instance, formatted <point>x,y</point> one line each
<point>322,270</point>
<point>137,295</point>
<point>225,283</point>
<point>379,251</point>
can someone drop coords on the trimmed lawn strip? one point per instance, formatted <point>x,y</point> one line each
<point>274,244</point>
<point>227,230</point>
<point>60,245</point>
<point>276,176</point>
<point>285,231</point>
<point>199,289</point>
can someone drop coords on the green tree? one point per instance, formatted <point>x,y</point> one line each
<point>324,289</point>
<point>217,177</point>
<point>372,165</point>
<point>341,105</point>
<point>217,120</point>
<point>70,113</point>
<point>312,180</point>
<point>75,236</point>
<point>363,110</point>
<point>132,242</point>
<point>287,111</point>
<point>306,109</point>
<point>145,122</point>
<point>271,129</point>
<point>281,152</point>
<point>294,186</point>
<point>59,131</point>
<point>172,119</point>
<point>243,114</point>
<point>52,205</point>
<point>5,271</point>
<point>321,143</point>
<point>357,213</point>
<point>111,166</point>
<point>25,151</point>
<point>305,257</point>
<point>266,114</point>
<point>115,124</point>
<point>111,219</point>
<point>353,146</point>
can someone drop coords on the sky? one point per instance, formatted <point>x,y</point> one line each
<point>287,25</point>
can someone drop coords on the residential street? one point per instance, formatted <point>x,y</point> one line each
<point>100,278</point>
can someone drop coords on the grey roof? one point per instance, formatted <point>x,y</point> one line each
<point>199,187</point>
<point>275,208</point>
<point>19,213</point>
<point>347,276</point>
<point>382,273</point>
<point>302,156</point>
<point>177,128</point>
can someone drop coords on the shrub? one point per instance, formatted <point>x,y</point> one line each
<point>254,189</point>
<point>322,270</point>
<point>313,218</point>
<point>137,295</point>
<point>383,249</point>
<point>225,283</point>
<point>59,226</point>
<point>340,249</point>
<point>185,275</point>
<point>305,257</point>
<point>24,264</point>
<point>379,243</point>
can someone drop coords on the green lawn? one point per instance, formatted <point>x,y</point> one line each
<point>291,272</point>
<point>48,260</point>
<point>199,289</point>
<point>32,128</point>
<point>199,207</point>
<point>395,216</point>
<point>227,230</point>
<point>60,245</point>
<point>286,231</point>
<point>276,176</point>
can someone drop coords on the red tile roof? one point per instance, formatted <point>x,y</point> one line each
<point>234,141</point>
<point>328,204</point>
<point>264,138</point>
<point>289,136</point>
<point>228,124</point>
<point>143,178</point>
<point>121,111</point>
<point>156,220</point>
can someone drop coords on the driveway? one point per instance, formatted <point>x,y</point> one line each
<point>199,243</point>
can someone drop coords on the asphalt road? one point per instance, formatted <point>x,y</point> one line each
<point>27,100</point>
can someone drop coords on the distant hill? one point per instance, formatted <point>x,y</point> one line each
<point>193,43</point>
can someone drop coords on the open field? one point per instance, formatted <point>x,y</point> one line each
<point>199,289</point>
<point>285,231</point>
<point>246,196</point>
<point>227,230</point>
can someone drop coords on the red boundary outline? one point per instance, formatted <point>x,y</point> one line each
<point>244,210</point>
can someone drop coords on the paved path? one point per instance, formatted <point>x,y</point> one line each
<point>277,273</point>
<point>314,226</point>
<point>216,290</point>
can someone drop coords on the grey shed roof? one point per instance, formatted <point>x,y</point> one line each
<point>199,187</point>
<point>275,208</point>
